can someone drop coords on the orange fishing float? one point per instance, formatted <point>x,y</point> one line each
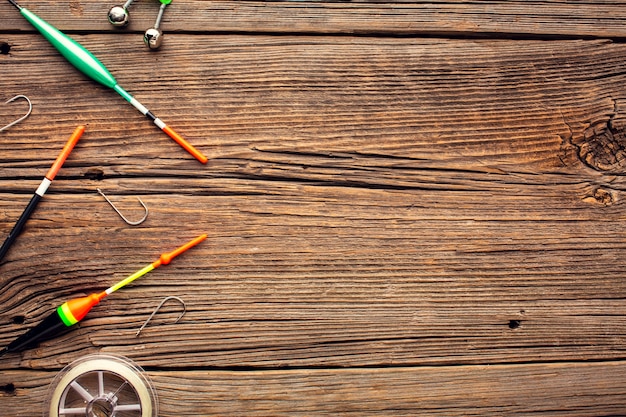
<point>73,311</point>
<point>41,190</point>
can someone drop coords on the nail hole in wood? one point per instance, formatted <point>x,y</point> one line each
<point>514,324</point>
<point>94,174</point>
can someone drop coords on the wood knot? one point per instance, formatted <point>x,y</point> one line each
<point>601,196</point>
<point>76,8</point>
<point>4,48</point>
<point>603,148</point>
<point>8,389</point>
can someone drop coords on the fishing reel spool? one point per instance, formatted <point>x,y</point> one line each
<point>153,38</point>
<point>102,386</point>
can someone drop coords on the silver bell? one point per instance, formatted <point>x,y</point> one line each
<point>118,16</point>
<point>153,38</point>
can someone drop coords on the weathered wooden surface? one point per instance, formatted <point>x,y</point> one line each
<point>415,225</point>
<point>439,17</point>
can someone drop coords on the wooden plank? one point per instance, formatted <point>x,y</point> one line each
<point>460,105</point>
<point>525,390</point>
<point>528,107</point>
<point>441,18</point>
<point>336,283</point>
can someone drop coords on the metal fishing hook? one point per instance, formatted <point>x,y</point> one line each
<point>30,109</point>
<point>132,223</point>
<point>161,305</point>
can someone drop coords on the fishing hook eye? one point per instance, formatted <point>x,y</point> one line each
<point>159,307</point>
<point>132,223</point>
<point>30,109</point>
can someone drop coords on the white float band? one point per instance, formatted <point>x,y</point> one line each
<point>159,123</point>
<point>143,109</point>
<point>43,187</point>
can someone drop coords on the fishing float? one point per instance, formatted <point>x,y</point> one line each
<point>41,190</point>
<point>74,310</point>
<point>89,65</point>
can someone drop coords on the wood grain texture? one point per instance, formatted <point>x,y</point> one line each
<point>397,225</point>
<point>470,390</point>
<point>604,19</point>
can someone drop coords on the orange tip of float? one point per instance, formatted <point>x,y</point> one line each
<point>167,257</point>
<point>67,149</point>
<point>186,145</point>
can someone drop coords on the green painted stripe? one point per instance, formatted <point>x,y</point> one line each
<point>66,315</point>
<point>123,92</point>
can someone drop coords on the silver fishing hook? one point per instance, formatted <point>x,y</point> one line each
<point>30,109</point>
<point>159,307</point>
<point>132,223</point>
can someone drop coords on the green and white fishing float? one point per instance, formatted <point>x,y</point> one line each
<point>89,65</point>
